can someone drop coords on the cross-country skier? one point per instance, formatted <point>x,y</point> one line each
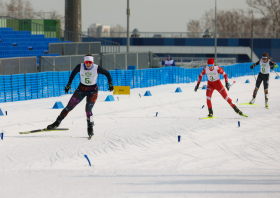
<point>266,64</point>
<point>87,87</point>
<point>213,73</point>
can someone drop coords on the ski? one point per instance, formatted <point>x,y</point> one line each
<point>244,115</point>
<point>248,104</point>
<point>207,118</point>
<point>44,130</point>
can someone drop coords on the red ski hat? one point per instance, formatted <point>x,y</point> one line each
<point>210,61</point>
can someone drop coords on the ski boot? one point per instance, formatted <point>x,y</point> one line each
<point>266,104</point>
<point>90,129</point>
<point>55,124</point>
<point>238,111</point>
<point>210,115</point>
<point>252,101</point>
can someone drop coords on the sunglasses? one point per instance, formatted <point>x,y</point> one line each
<point>264,58</point>
<point>88,62</point>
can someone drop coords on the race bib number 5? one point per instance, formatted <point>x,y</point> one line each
<point>87,81</point>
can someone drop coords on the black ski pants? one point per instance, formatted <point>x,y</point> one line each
<point>265,79</point>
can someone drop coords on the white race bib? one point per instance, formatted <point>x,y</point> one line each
<point>212,75</point>
<point>88,77</point>
<point>265,67</point>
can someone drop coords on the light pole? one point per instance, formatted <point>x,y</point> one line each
<point>215,31</point>
<point>127,31</point>
<point>252,36</point>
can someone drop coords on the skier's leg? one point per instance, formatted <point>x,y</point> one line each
<point>221,89</point>
<point>91,99</point>
<point>223,92</point>
<point>265,87</point>
<point>76,98</point>
<point>209,93</point>
<point>258,83</point>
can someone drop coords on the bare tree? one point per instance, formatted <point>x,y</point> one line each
<point>194,28</point>
<point>2,8</point>
<point>231,24</point>
<point>28,9</point>
<point>270,10</point>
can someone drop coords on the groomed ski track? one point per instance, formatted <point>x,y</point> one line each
<point>136,154</point>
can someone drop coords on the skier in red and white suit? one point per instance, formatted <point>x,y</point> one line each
<point>213,73</point>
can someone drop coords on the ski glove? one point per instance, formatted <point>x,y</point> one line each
<point>196,87</point>
<point>252,66</point>
<point>227,86</point>
<point>67,88</point>
<point>111,87</point>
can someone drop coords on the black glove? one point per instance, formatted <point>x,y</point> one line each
<point>67,88</point>
<point>111,87</point>
<point>252,66</point>
<point>196,87</point>
<point>227,86</point>
<point>272,67</point>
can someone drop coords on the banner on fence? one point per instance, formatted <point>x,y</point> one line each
<point>121,90</point>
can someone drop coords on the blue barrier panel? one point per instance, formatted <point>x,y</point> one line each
<point>49,84</point>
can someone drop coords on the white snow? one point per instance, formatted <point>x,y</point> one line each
<point>136,154</point>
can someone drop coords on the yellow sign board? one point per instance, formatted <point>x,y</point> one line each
<point>121,90</point>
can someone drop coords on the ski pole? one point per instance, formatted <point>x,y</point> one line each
<point>232,84</point>
<point>254,74</point>
<point>276,73</point>
<point>202,87</point>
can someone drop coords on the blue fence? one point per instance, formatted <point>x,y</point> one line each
<point>50,84</point>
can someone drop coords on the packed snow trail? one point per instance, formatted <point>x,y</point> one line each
<point>135,153</point>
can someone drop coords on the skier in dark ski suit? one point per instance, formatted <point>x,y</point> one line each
<point>266,64</point>
<point>87,87</point>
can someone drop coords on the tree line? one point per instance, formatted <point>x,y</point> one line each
<point>237,23</point>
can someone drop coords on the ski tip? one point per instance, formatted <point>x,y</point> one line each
<point>207,118</point>
<point>249,104</point>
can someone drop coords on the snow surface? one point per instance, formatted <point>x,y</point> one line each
<point>136,154</point>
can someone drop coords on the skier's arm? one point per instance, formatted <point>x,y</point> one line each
<point>73,74</point>
<point>100,70</point>
<point>273,65</point>
<point>173,64</point>
<point>255,64</point>
<point>201,75</point>
<point>221,71</point>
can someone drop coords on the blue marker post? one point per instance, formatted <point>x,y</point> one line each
<point>118,98</point>
<point>140,95</point>
<point>6,112</point>
<point>156,114</point>
<point>87,160</point>
<point>202,106</point>
<point>238,123</point>
<point>2,136</point>
<point>237,100</point>
<point>179,138</point>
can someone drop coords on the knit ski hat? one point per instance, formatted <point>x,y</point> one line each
<point>210,62</point>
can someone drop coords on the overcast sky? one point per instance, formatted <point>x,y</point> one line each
<point>146,15</point>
